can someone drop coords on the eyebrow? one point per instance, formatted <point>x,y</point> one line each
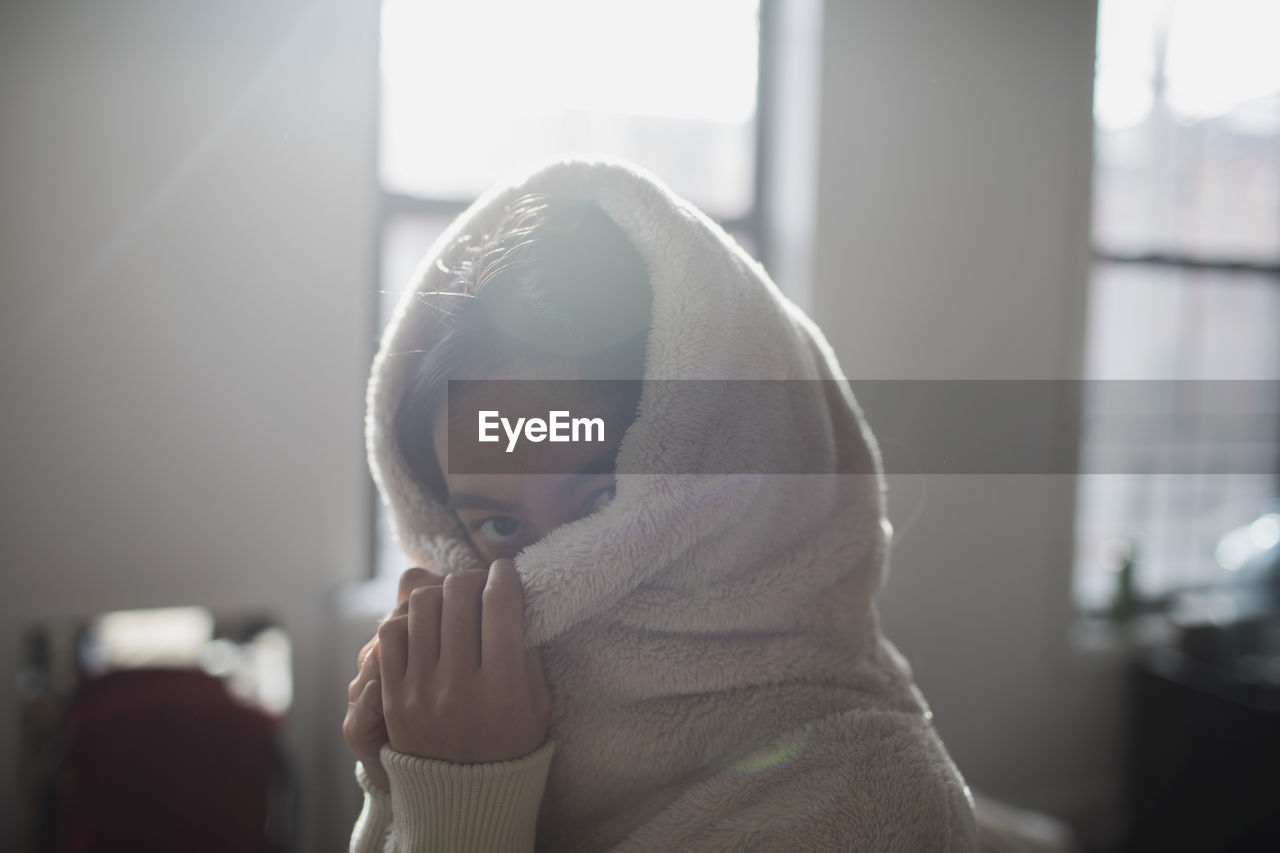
<point>601,464</point>
<point>461,500</point>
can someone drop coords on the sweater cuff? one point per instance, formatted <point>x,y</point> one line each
<point>370,832</point>
<point>492,806</point>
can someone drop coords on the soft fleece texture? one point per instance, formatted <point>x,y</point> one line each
<point>718,675</point>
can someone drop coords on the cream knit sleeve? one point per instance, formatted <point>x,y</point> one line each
<point>370,832</point>
<point>441,806</point>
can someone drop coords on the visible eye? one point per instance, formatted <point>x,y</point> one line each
<point>602,498</point>
<point>498,529</point>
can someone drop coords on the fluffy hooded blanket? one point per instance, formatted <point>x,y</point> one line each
<point>718,675</point>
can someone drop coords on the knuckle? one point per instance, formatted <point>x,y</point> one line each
<point>424,595</point>
<point>464,580</point>
<point>453,687</point>
<point>413,576</point>
<point>416,714</point>
<point>498,591</point>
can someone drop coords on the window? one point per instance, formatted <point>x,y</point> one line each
<point>1185,286</point>
<point>474,92</point>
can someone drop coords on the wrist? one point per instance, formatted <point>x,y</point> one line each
<point>455,750</point>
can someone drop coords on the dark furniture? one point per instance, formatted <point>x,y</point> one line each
<point>1204,762</point>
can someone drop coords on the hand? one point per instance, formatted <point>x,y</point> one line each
<point>458,683</point>
<point>364,728</point>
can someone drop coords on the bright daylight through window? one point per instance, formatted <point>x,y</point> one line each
<point>1185,286</point>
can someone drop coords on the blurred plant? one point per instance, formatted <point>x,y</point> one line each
<point>1124,602</point>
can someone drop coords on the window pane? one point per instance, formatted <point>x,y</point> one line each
<point>1136,314</point>
<point>1155,322</point>
<point>667,83</point>
<point>1177,521</point>
<point>1187,109</point>
<point>1239,319</point>
<point>1159,322</point>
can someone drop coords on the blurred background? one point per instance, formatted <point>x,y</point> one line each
<point>209,208</point>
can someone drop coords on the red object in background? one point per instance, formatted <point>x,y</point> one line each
<point>165,760</point>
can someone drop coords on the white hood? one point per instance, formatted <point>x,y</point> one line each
<point>717,670</point>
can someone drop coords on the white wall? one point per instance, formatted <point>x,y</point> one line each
<point>185,318</point>
<point>951,243</point>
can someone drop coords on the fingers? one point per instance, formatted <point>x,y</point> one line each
<point>368,671</point>
<point>368,649</point>
<point>410,580</point>
<point>363,728</point>
<point>413,578</point>
<point>369,707</point>
<point>460,621</point>
<point>393,651</point>
<point>456,682</point>
<point>502,619</point>
<point>425,604</point>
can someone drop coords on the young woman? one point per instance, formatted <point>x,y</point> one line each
<point>610,652</point>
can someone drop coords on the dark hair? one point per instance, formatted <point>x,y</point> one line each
<point>554,281</point>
